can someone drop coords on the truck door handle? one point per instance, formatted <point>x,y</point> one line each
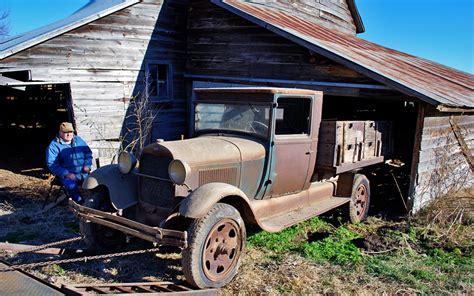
<point>309,152</point>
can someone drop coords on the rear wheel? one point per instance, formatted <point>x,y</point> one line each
<point>360,199</point>
<point>216,243</point>
<point>97,236</point>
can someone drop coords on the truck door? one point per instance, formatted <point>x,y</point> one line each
<point>294,146</point>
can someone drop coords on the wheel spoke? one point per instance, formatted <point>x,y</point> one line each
<point>232,243</point>
<point>213,266</point>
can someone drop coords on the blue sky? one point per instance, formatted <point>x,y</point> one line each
<point>439,30</point>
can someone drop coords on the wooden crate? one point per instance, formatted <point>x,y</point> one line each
<point>347,143</point>
<point>370,140</point>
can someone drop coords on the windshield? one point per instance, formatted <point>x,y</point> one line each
<point>233,117</point>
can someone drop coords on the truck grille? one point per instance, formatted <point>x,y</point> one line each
<point>156,192</point>
<point>224,175</point>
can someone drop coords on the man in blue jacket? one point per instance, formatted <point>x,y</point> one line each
<point>69,158</point>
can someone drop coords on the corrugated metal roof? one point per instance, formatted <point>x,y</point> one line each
<point>92,11</point>
<point>427,80</point>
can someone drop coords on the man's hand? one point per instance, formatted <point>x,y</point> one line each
<point>71,176</point>
<point>86,169</point>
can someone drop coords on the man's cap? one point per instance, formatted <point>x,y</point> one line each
<point>66,127</point>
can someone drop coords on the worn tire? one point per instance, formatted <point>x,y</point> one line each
<point>360,199</point>
<point>216,243</point>
<point>97,236</point>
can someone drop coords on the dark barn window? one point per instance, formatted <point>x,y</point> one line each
<point>159,82</point>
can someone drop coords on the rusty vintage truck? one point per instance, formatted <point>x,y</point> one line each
<point>253,159</point>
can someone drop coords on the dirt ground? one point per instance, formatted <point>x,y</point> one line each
<point>22,221</point>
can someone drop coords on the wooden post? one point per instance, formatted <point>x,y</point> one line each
<point>416,154</point>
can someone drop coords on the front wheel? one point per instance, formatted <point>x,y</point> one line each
<point>216,243</point>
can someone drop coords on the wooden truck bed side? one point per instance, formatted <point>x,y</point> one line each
<point>348,145</point>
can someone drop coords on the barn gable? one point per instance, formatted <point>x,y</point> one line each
<point>89,13</point>
<point>332,14</point>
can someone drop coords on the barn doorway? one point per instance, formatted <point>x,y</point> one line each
<point>391,181</point>
<point>30,114</point>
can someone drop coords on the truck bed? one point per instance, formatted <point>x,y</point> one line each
<point>347,145</point>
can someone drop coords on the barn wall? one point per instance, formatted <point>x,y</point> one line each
<point>333,14</point>
<point>221,43</point>
<point>105,63</point>
<point>442,167</point>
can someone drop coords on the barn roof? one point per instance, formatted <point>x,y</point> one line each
<point>424,79</point>
<point>92,11</point>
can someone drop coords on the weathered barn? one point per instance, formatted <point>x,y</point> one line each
<point>89,66</point>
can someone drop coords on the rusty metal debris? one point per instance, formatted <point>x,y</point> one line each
<point>21,248</point>
<point>144,288</point>
<point>45,248</point>
<point>17,282</point>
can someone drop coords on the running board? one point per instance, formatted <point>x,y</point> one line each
<point>280,222</point>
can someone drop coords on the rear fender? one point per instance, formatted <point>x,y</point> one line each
<point>122,187</point>
<point>205,197</point>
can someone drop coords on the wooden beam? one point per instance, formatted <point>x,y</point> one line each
<point>295,82</point>
<point>416,154</point>
<point>466,152</point>
<point>448,109</point>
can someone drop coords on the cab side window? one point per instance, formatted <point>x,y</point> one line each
<point>293,116</point>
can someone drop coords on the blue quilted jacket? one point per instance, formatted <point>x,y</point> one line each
<point>62,158</point>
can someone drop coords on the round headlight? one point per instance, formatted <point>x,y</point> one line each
<point>126,162</point>
<point>178,171</point>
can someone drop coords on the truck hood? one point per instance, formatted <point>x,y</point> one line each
<point>209,150</point>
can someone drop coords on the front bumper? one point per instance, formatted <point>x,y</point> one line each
<point>155,235</point>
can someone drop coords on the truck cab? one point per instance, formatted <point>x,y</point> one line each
<point>252,159</point>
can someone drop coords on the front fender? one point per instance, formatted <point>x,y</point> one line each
<point>122,187</point>
<point>205,197</point>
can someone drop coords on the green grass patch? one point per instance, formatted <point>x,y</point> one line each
<point>18,237</point>
<point>337,248</point>
<point>436,272</point>
<point>289,239</point>
<point>57,269</point>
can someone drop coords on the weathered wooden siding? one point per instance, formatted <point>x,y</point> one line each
<point>333,14</point>
<point>442,167</point>
<point>105,63</point>
<point>223,44</point>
